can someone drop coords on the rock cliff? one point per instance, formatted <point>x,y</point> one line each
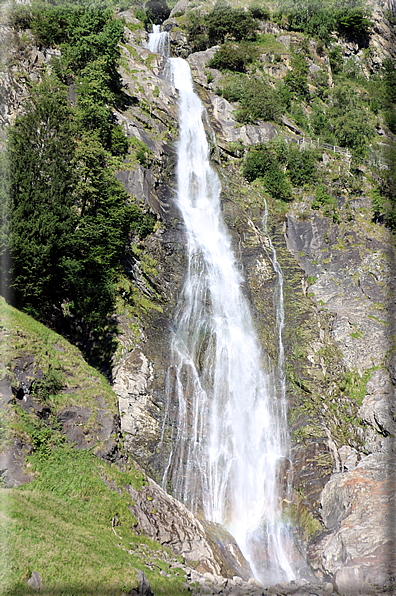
<point>339,330</point>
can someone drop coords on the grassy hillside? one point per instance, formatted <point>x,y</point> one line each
<point>61,523</point>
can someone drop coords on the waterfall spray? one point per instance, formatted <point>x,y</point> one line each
<point>230,433</point>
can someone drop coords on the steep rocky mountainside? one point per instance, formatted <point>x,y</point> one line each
<point>339,335</point>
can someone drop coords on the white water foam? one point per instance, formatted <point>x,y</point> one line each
<point>229,433</point>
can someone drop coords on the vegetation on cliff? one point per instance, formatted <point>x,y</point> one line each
<point>67,225</point>
<point>67,220</point>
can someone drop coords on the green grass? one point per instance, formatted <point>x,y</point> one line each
<point>268,42</point>
<point>60,525</point>
<point>21,334</point>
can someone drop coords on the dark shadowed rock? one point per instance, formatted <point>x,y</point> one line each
<point>12,464</point>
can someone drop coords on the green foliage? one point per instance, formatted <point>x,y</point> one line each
<point>40,154</point>
<point>256,98</point>
<point>336,61</point>
<point>222,24</point>
<point>296,78</point>
<point>279,166</point>
<point>384,198</point>
<point>119,142</point>
<point>157,11</point>
<point>302,166</point>
<point>49,385</point>
<point>65,219</point>
<point>322,197</point>
<point>346,122</point>
<point>321,18</point>
<point>353,21</point>
<point>232,57</point>
<point>69,216</point>
<point>259,11</point>
<point>235,24</point>
<point>354,130</point>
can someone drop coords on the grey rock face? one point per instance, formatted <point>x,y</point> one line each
<point>35,581</point>
<point>163,518</point>
<point>12,465</point>
<point>100,432</point>
<point>359,506</point>
<point>353,288</point>
<point>143,585</point>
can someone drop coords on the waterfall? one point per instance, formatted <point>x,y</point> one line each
<point>159,42</point>
<point>226,414</point>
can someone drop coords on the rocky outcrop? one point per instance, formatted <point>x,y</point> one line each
<point>23,62</point>
<point>350,275</point>
<point>169,522</point>
<point>358,509</point>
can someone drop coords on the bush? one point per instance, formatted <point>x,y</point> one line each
<point>119,142</point>
<point>354,130</point>
<point>322,198</point>
<point>234,24</point>
<point>259,160</point>
<point>336,61</point>
<point>277,184</point>
<point>301,166</point>
<point>256,98</point>
<point>353,21</point>
<point>262,162</point>
<point>157,11</point>
<point>259,12</point>
<point>230,57</point>
<point>296,78</point>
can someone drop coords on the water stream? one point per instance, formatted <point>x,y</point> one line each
<point>229,434</point>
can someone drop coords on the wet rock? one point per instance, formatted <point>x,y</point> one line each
<point>232,562</point>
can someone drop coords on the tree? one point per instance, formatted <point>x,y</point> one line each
<point>41,153</point>
<point>296,79</point>
<point>69,216</point>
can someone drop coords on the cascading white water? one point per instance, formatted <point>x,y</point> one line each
<point>158,41</point>
<point>229,432</point>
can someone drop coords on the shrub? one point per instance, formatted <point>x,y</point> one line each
<point>259,12</point>
<point>256,98</point>
<point>301,165</point>
<point>354,130</point>
<point>230,57</point>
<point>235,24</point>
<point>119,142</point>
<point>157,11</point>
<point>277,184</point>
<point>353,21</point>
<point>296,78</point>
<point>321,197</point>
<point>259,160</point>
<point>262,162</point>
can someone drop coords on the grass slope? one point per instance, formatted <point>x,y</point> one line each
<point>61,524</point>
